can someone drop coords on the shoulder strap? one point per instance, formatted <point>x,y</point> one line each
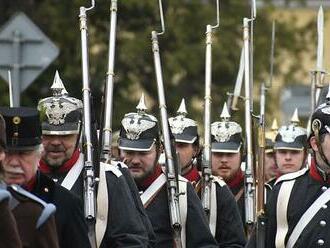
<point>281,212</point>
<point>102,200</point>
<point>307,217</point>
<point>183,203</point>
<point>153,189</point>
<point>214,207</point>
<point>73,173</point>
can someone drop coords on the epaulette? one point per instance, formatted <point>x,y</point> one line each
<point>4,195</point>
<point>219,181</point>
<point>113,167</point>
<point>48,208</point>
<point>291,176</point>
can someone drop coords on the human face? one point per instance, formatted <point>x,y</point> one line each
<point>271,169</point>
<point>20,166</point>
<point>325,144</point>
<point>225,165</point>
<point>186,153</point>
<point>140,164</point>
<point>289,160</point>
<point>58,148</point>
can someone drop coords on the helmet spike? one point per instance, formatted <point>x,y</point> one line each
<point>274,125</point>
<point>225,113</point>
<point>182,110</point>
<point>141,107</point>
<point>295,118</point>
<point>57,86</point>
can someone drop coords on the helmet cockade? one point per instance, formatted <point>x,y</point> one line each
<point>222,131</point>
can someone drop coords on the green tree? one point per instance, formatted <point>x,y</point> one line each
<point>182,50</point>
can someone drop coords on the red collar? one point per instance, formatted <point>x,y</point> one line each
<point>149,180</point>
<point>192,175</point>
<point>237,180</point>
<point>315,174</point>
<point>45,168</point>
<point>30,185</point>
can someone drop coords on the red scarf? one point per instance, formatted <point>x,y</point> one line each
<point>45,168</point>
<point>148,181</point>
<point>237,180</point>
<point>192,175</point>
<point>314,173</point>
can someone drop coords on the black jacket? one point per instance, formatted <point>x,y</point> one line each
<point>197,231</point>
<point>70,221</point>
<point>305,191</point>
<point>125,227</point>
<point>229,229</point>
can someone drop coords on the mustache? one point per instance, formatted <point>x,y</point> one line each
<point>55,149</point>
<point>14,170</point>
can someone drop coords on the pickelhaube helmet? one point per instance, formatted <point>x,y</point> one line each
<point>292,136</point>
<point>270,136</point>
<point>183,129</point>
<point>60,114</point>
<point>139,131</point>
<point>226,135</point>
<point>321,118</point>
<point>23,130</point>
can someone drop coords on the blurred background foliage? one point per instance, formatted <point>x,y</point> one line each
<point>182,51</point>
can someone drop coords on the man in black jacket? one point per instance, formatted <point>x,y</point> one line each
<point>298,206</point>
<point>139,145</point>
<point>21,167</point>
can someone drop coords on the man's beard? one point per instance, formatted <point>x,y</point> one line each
<point>55,163</point>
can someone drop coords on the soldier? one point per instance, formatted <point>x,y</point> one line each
<point>21,167</point>
<point>63,161</point>
<point>227,153</point>
<point>227,227</point>
<point>298,206</point>
<point>18,229</point>
<point>271,170</point>
<point>290,146</point>
<point>140,147</point>
<point>61,126</point>
<point>186,144</point>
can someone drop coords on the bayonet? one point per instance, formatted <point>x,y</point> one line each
<point>320,39</point>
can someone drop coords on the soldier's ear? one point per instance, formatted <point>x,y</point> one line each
<point>313,143</point>
<point>2,155</point>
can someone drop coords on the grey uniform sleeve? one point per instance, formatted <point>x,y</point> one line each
<point>198,233</point>
<point>125,228</point>
<point>229,231</point>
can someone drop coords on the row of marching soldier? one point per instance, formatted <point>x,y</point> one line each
<point>164,189</point>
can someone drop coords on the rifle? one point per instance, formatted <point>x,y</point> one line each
<point>249,180</point>
<point>206,159</point>
<point>171,172</point>
<point>261,218</point>
<point>106,139</point>
<point>89,178</point>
